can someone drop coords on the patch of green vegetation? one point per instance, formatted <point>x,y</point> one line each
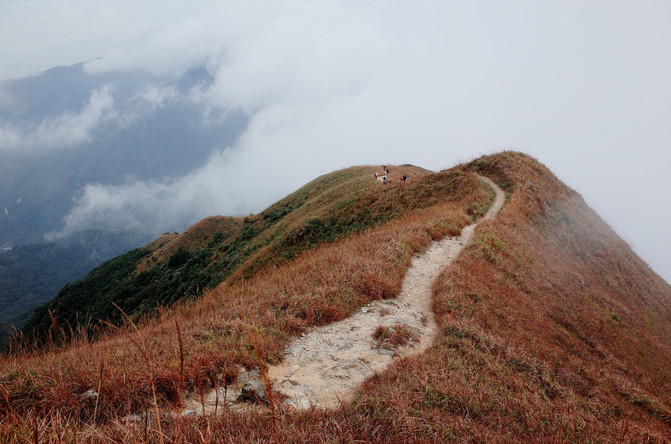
<point>505,185</point>
<point>491,245</point>
<point>320,230</point>
<point>325,210</point>
<point>31,275</point>
<point>648,404</point>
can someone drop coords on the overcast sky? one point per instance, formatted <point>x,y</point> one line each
<point>583,86</point>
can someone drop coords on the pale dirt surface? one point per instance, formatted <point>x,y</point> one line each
<point>325,366</point>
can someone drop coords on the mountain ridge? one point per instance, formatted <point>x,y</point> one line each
<point>175,266</point>
<point>550,327</point>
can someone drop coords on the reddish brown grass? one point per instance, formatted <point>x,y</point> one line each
<point>394,337</point>
<point>551,329</point>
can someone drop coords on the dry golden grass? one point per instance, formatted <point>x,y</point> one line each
<point>322,285</point>
<point>551,329</point>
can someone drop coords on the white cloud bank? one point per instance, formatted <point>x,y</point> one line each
<point>66,130</point>
<point>582,86</point>
<point>36,35</point>
<point>71,130</point>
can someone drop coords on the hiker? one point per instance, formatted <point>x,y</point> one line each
<point>404,177</point>
<point>384,180</point>
<point>376,174</point>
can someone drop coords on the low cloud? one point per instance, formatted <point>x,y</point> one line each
<point>337,83</point>
<point>156,96</point>
<point>72,130</point>
<point>172,204</point>
<point>66,130</point>
<point>6,99</point>
<point>146,101</point>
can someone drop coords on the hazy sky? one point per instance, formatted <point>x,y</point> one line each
<point>583,86</point>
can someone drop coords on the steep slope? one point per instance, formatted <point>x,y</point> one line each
<point>32,275</point>
<point>182,266</point>
<point>552,329</point>
<point>549,326</point>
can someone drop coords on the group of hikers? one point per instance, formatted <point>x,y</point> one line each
<point>383,178</point>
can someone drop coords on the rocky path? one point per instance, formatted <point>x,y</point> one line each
<point>324,367</point>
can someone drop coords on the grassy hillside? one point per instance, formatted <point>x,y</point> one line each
<point>175,267</point>
<point>31,275</point>
<point>551,328</point>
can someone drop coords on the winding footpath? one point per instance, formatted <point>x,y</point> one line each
<point>326,366</point>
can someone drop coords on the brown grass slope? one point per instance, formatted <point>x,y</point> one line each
<point>195,237</point>
<point>281,224</point>
<point>552,329</point>
<point>182,266</point>
<point>322,284</point>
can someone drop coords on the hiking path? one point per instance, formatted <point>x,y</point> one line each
<point>325,366</point>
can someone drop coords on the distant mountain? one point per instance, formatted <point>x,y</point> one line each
<point>31,275</point>
<point>66,128</point>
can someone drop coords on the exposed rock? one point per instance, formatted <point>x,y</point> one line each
<point>89,394</point>
<point>254,392</point>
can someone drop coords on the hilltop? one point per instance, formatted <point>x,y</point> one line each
<point>550,328</point>
<point>217,249</point>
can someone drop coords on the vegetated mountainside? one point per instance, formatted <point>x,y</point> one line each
<point>551,329</point>
<point>31,275</point>
<point>182,266</point>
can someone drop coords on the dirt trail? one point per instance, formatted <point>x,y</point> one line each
<point>325,366</point>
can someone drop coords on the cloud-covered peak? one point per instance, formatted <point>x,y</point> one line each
<point>67,130</point>
<point>330,84</point>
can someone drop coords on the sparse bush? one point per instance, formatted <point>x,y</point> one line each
<point>393,337</point>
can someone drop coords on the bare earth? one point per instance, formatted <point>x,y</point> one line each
<point>326,366</point>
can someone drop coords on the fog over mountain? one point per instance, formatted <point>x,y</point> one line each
<point>84,159</point>
<point>249,101</point>
<point>72,133</point>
